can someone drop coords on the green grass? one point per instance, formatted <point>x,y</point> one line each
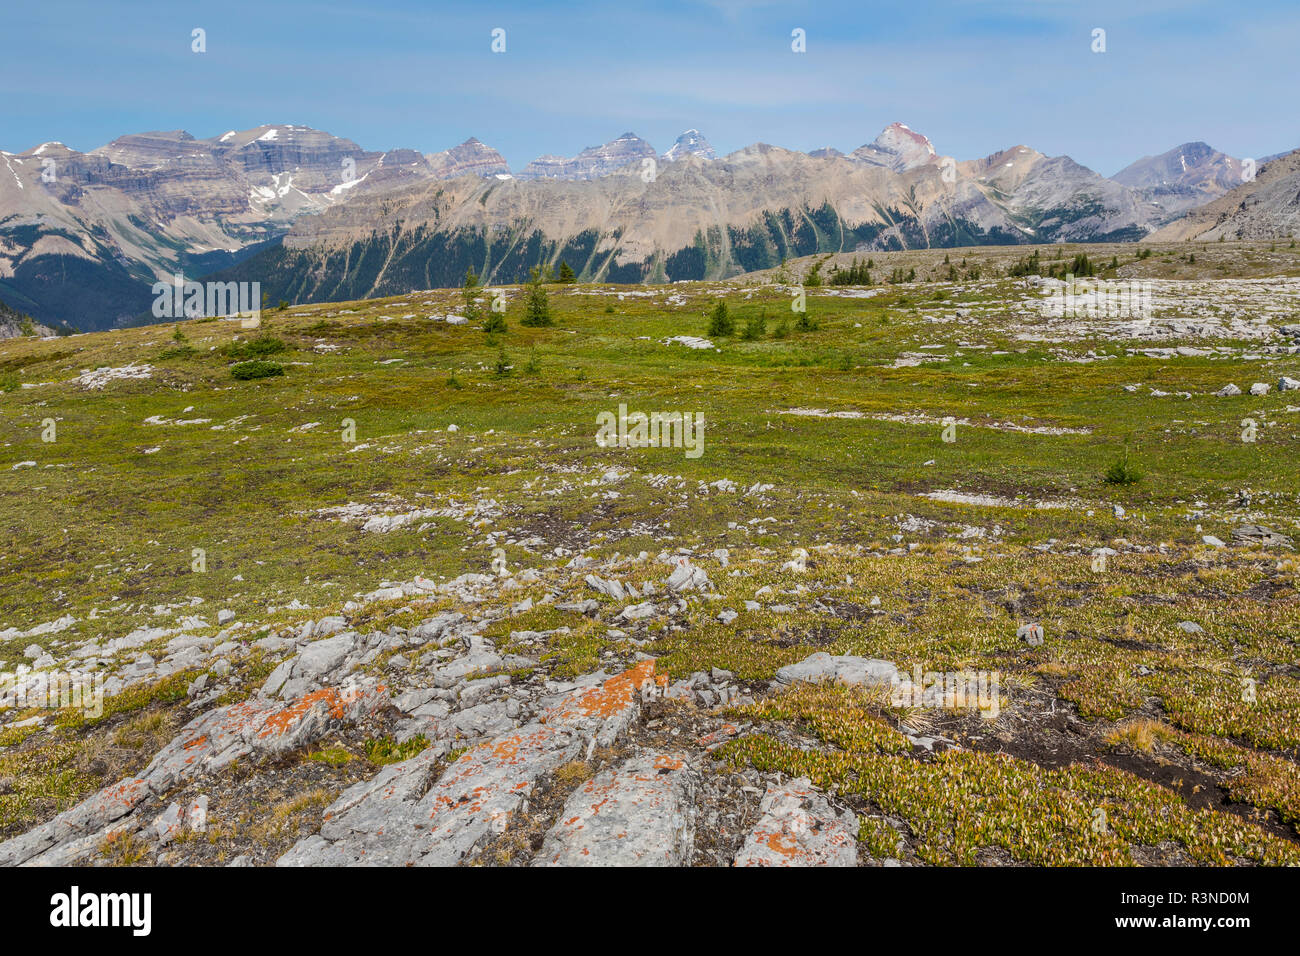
<point>385,750</point>
<point>106,523</point>
<point>84,538</point>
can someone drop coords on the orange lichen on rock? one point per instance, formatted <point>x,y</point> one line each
<point>778,842</point>
<point>800,827</point>
<point>127,793</point>
<point>640,813</point>
<point>283,719</point>
<point>609,699</point>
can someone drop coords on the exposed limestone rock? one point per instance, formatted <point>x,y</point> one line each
<point>386,822</point>
<point>639,814</point>
<point>206,744</point>
<point>687,577</point>
<point>823,668</point>
<point>311,667</point>
<point>611,588</point>
<point>1256,535</point>
<point>799,827</point>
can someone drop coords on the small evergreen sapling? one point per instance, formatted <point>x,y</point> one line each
<point>721,324</point>
<point>537,308</point>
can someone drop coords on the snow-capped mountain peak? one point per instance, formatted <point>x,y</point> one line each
<point>691,142</point>
<point>899,148</point>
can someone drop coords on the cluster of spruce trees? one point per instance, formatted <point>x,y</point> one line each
<point>537,306</point>
<point>856,274</point>
<point>1031,265</point>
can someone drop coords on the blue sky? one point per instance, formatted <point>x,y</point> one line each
<point>975,76</point>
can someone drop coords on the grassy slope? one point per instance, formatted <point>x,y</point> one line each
<point>99,524</point>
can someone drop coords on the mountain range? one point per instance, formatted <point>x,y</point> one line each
<point>1185,177</point>
<point>1267,207</point>
<point>83,236</point>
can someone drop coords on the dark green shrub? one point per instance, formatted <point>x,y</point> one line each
<point>245,371</point>
<point>1121,472</point>
<point>255,348</point>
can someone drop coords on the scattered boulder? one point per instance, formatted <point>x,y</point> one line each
<point>609,588</point>
<point>797,564</point>
<point>328,625</point>
<point>1031,634</point>
<point>167,826</point>
<point>198,814</point>
<point>434,628</point>
<point>687,577</point>
<point>636,612</point>
<point>588,606</point>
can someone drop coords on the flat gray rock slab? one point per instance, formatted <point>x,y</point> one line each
<point>473,801</point>
<point>846,669</point>
<point>321,657</point>
<point>435,627</point>
<point>641,813</point>
<point>1258,535</point>
<point>483,720</point>
<point>314,665</point>
<point>480,793</point>
<point>799,827</point>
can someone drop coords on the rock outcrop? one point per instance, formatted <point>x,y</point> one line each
<point>593,162</point>
<point>392,820</point>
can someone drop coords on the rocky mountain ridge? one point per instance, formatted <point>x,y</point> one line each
<point>695,219</point>
<point>1267,207</point>
<point>593,162</point>
<point>1186,176</point>
<point>83,236</point>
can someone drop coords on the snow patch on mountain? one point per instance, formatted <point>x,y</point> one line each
<point>692,143</point>
<point>898,147</point>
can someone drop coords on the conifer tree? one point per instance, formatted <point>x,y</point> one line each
<point>537,308</point>
<point>720,323</point>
